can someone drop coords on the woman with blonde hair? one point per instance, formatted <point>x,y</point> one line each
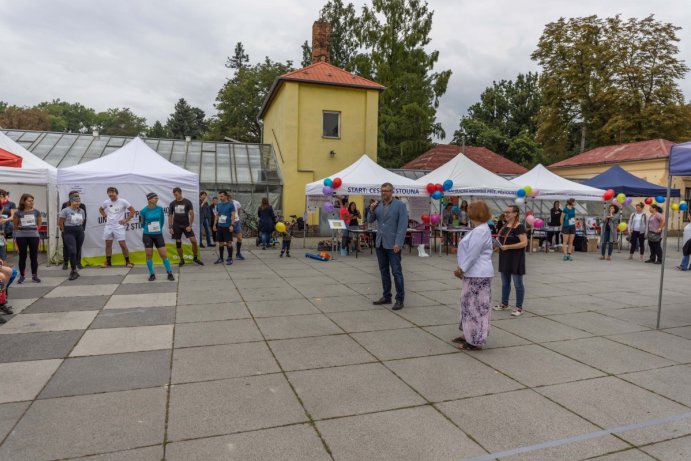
<point>476,270</point>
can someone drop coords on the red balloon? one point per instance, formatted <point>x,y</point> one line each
<point>648,201</point>
<point>430,188</point>
<point>337,183</point>
<point>609,194</point>
<point>439,187</point>
<point>425,218</point>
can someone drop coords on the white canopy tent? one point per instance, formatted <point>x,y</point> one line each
<point>554,187</point>
<point>135,170</point>
<point>37,178</point>
<point>469,178</point>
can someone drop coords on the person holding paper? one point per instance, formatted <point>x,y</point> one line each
<point>71,221</point>
<point>27,220</point>
<point>152,223</point>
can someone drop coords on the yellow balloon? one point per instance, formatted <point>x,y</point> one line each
<point>621,198</point>
<point>280,227</point>
<point>528,190</point>
<point>622,226</point>
<point>675,206</point>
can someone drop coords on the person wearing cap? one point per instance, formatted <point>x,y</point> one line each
<point>65,257</point>
<point>153,218</point>
<point>71,222</point>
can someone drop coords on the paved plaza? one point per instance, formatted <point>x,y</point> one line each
<point>287,359</point>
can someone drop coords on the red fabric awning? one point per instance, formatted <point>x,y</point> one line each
<point>9,159</point>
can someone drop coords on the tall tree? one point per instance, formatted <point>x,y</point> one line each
<point>504,120</point>
<point>306,54</point>
<point>239,59</point>
<point>25,118</point>
<point>157,130</point>
<point>120,122</point>
<point>395,35</point>
<point>69,117</point>
<point>186,121</point>
<point>240,99</point>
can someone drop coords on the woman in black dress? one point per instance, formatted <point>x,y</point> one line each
<point>513,240</point>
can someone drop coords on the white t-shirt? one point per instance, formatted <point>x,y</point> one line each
<point>237,210</point>
<point>637,222</point>
<point>115,211</point>
<point>687,233</point>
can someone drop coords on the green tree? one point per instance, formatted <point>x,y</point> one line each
<point>69,117</point>
<point>120,122</point>
<point>395,35</point>
<point>25,118</point>
<point>239,59</point>
<point>186,121</point>
<point>240,99</point>
<point>507,111</point>
<point>157,130</point>
<point>306,54</point>
<point>3,106</point>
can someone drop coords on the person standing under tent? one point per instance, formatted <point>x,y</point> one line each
<point>7,209</point>
<point>686,248</point>
<point>71,223</point>
<point>153,218</point>
<point>180,219</point>
<point>463,219</point>
<point>656,223</point>
<point>65,256</point>
<point>27,220</point>
<point>637,229</point>
<point>392,218</point>
<point>513,240</point>
<point>568,228</point>
<point>554,222</point>
<point>237,229</point>
<point>205,219</point>
<point>223,226</point>
<point>117,212</point>
<point>609,233</point>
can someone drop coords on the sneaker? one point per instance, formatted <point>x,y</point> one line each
<point>171,277</point>
<point>73,276</point>
<point>129,265</point>
<point>517,312</point>
<point>500,307</point>
<point>219,261</point>
<point>566,258</point>
<point>201,245</point>
<point>240,257</point>
<point>630,257</point>
<point>64,266</point>
<point>5,309</point>
<point>35,279</point>
<point>106,265</point>
<point>152,277</point>
<point>679,268</point>
<point>181,263</point>
<point>79,266</point>
<point>649,261</point>
<point>198,261</point>
<point>570,258</point>
<point>229,261</point>
<point>288,255</point>
<point>281,255</point>
<point>21,280</point>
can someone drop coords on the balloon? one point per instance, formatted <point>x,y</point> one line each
<point>648,201</point>
<point>456,209</point>
<point>621,198</point>
<point>425,218</point>
<point>683,206</point>
<point>280,227</point>
<point>435,218</point>
<point>448,184</point>
<point>430,188</point>
<point>622,226</point>
<point>675,206</point>
<point>439,187</point>
<point>530,220</point>
<point>328,207</point>
<point>660,199</point>
<point>538,223</point>
<point>328,182</point>
<point>437,195</point>
<point>628,201</point>
<point>609,194</point>
<point>535,193</point>
<point>529,213</point>
<point>519,200</point>
<point>520,193</point>
<point>528,190</point>
<point>337,183</point>
<point>327,190</point>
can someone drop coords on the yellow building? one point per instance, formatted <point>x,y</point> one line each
<point>319,119</point>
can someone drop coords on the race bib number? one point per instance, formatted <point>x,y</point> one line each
<point>222,219</point>
<point>76,220</point>
<point>179,209</point>
<point>154,226</point>
<point>572,221</point>
<point>115,210</point>
<point>28,221</point>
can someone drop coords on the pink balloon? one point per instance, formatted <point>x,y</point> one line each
<point>535,193</point>
<point>538,223</point>
<point>530,220</point>
<point>435,218</point>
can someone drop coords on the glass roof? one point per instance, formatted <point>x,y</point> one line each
<point>221,164</point>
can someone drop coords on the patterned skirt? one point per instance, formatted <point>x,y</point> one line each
<point>476,299</point>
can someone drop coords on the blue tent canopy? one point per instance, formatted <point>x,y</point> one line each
<point>624,182</point>
<point>680,160</point>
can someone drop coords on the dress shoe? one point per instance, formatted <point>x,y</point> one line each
<point>381,301</point>
<point>398,306</point>
<point>5,309</point>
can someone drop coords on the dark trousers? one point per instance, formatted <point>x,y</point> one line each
<point>73,239</point>
<point>390,262</point>
<point>285,247</point>
<point>605,243</point>
<point>65,250</point>
<point>205,226</point>
<point>28,245</point>
<point>655,251</point>
<point>637,242</point>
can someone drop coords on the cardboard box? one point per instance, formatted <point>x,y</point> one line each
<point>593,243</point>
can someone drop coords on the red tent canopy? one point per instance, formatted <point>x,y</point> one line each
<point>9,159</point>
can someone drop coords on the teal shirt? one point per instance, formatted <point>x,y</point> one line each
<point>152,215</point>
<point>569,214</point>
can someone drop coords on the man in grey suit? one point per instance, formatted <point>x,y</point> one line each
<point>392,216</point>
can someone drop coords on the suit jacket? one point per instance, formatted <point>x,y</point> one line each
<point>393,223</point>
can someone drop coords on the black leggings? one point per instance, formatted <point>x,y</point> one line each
<point>73,238</point>
<point>655,251</point>
<point>637,242</point>
<point>30,245</point>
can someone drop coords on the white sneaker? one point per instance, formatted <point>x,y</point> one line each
<point>517,312</point>
<point>500,307</point>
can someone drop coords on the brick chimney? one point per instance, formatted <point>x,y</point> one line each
<point>321,41</point>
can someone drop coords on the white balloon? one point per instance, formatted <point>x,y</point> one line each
<point>520,200</point>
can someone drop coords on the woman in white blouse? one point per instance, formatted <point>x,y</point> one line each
<point>638,225</point>
<point>476,270</point>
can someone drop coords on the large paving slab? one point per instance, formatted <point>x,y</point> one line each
<point>319,352</point>
<point>24,380</point>
<point>32,323</point>
<point>37,346</point>
<point>118,340</point>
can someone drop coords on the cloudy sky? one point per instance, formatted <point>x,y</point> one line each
<point>145,55</point>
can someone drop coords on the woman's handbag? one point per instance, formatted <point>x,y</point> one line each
<point>653,237</point>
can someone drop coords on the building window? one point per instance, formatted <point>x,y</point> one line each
<point>331,126</point>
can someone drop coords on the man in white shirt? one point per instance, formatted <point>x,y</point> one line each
<point>115,211</point>
<point>237,229</point>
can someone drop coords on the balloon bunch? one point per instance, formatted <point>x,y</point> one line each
<point>618,199</point>
<point>330,185</point>
<point>681,206</point>
<point>526,192</point>
<point>434,218</point>
<point>436,191</point>
<point>531,220</point>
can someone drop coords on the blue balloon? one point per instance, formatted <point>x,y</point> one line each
<point>660,199</point>
<point>520,193</point>
<point>447,185</point>
<point>328,182</point>
<point>456,209</point>
<point>437,195</point>
<point>683,206</point>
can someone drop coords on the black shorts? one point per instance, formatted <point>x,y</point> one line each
<point>154,240</point>
<point>223,234</point>
<point>179,231</point>
<point>568,230</point>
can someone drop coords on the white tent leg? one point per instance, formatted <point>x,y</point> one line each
<point>664,252</point>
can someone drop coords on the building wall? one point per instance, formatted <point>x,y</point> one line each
<point>293,124</point>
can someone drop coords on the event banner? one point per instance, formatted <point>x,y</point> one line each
<point>93,196</point>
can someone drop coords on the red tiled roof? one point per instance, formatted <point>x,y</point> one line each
<point>643,150</point>
<point>442,153</point>
<point>320,73</point>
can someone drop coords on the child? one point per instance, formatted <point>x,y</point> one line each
<point>287,237</point>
